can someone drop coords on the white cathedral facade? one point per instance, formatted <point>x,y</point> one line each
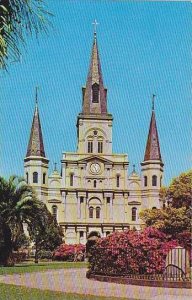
<point>94,191</point>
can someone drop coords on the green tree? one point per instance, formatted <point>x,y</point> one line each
<point>17,19</point>
<point>170,220</point>
<point>45,233</point>
<point>18,206</point>
<point>180,190</point>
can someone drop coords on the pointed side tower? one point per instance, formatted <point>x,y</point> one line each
<point>152,166</point>
<point>94,123</point>
<point>35,162</point>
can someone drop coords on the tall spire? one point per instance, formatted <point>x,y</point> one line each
<point>152,151</point>
<point>94,94</point>
<point>35,146</point>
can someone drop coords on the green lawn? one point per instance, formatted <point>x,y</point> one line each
<point>42,266</point>
<point>12,292</point>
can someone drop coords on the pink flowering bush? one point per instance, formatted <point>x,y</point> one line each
<point>69,252</point>
<point>130,252</point>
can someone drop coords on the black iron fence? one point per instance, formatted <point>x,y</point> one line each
<point>175,265</point>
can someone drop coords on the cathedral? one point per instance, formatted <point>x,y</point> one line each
<point>94,190</point>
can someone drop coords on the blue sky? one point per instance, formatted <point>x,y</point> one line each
<point>144,49</point>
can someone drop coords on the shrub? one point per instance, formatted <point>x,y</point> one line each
<point>69,252</point>
<point>45,254</point>
<point>130,252</point>
<point>19,256</point>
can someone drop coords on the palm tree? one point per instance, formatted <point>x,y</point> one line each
<point>18,18</point>
<point>18,206</point>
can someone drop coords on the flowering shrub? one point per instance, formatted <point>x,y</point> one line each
<point>130,252</point>
<point>69,252</point>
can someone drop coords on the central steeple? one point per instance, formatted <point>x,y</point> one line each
<point>94,94</point>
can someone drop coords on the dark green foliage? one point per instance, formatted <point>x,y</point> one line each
<point>18,206</point>
<point>17,19</point>
<point>45,233</point>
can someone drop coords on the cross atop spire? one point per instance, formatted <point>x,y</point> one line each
<point>95,27</point>
<point>36,95</point>
<point>153,99</point>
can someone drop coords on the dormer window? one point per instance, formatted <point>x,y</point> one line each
<point>95,93</point>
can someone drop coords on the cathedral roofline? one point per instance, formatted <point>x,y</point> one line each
<point>152,162</point>
<point>35,158</point>
<point>95,116</point>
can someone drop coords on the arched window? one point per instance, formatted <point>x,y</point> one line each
<point>98,211</point>
<point>100,147</point>
<point>54,212</point>
<point>35,177</point>
<point>145,180</point>
<point>90,147</point>
<point>95,183</point>
<point>134,214</point>
<point>118,180</point>
<point>71,179</point>
<point>44,178</point>
<point>107,233</point>
<point>27,177</point>
<point>91,212</point>
<point>154,207</point>
<point>154,180</point>
<point>95,93</point>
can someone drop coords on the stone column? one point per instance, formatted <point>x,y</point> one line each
<point>85,207</point>
<point>105,208</point>
<point>64,203</point>
<point>78,208</point>
<point>78,237</point>
<point>111,209</point>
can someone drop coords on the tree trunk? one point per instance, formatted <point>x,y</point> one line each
<point>36,253</point>
<point>6,255</point>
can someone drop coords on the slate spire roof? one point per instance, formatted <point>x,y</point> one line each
<point>94,94</point>
<point>35,145</point>
<point>152,151</point>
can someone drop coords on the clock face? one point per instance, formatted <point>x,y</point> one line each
<point>95,168</point>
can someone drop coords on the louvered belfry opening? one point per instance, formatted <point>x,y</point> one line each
<point>95,93</point>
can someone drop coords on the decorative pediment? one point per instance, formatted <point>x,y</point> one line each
<point>134,203</point>
<point>95,158</point>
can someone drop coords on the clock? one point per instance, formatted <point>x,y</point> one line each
<point>95,168</point>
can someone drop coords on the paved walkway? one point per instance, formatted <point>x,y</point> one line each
<point>75,281</point>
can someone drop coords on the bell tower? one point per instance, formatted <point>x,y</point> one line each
<point>35,162</point>
<point>152,166</point>
<point>94,123</point>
